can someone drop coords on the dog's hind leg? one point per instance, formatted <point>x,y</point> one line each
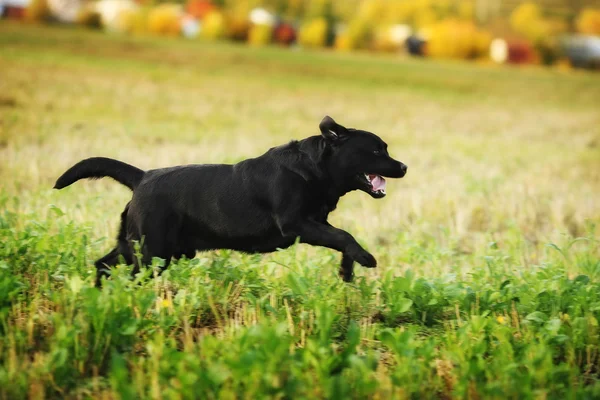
<point>103,265</point>
<point>347,268</point>
<point>158,242</point>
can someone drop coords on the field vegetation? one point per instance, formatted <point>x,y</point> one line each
<point>488,284</point>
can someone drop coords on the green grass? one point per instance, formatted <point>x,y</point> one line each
<point>488,283</point>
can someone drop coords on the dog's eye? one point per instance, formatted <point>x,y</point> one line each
<point>376,152</point>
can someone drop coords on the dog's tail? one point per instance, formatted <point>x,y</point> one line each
<point>99,167</point>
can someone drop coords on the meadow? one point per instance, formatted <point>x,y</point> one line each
<point>488,283</point>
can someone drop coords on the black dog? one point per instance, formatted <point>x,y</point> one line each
<point>256,206</point>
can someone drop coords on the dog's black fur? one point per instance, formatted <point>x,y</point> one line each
<point>256,206</point>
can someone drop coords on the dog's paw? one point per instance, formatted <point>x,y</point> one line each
<point>347,275</point>
<point>368,261</point>
<point>364,258</point>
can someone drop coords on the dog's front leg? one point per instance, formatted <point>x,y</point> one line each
<point>347,268</point>
<point>318,234</point>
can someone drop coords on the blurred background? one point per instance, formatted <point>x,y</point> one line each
<point>548,32</point>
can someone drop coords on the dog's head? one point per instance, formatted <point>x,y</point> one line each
<point>358,160</point>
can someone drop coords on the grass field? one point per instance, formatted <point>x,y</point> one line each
<point>488,285</point>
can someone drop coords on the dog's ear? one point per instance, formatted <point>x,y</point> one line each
<point>331,130</point>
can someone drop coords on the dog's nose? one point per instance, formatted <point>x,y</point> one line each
<point>404,168</point>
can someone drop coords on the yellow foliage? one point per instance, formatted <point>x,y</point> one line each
<point>344,10</point>
<point>425,17</point>
<point>165,19</point>
<point>382,39</point>
<point>294,8</point>
<point>131,21</point>
<point>342,42</point>
<point>313,33</point>
<point>359,33</point>
<point>453,38</point>
<point>483,40</point>
<point>37,10</point>
<point>240,8</point>
<point>373,10</point>
<point>260,35</point>
<point>213,25</point>
<point>427,12</point>
<point>237,26</point>
<point>316,8</point>
<point>401,11</point>
<point>466,10</point>
<point>524,14</point>
<point>89,17</point>
<point>588,21</point>
<point>418,13</point>
<point>527,20</point>
<point>369,24</point>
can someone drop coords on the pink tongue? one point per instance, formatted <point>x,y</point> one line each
<point>377,182</point>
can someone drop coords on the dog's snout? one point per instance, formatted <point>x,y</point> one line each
<point>396,169</point>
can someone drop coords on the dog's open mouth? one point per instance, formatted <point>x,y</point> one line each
<point>377,183</point>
